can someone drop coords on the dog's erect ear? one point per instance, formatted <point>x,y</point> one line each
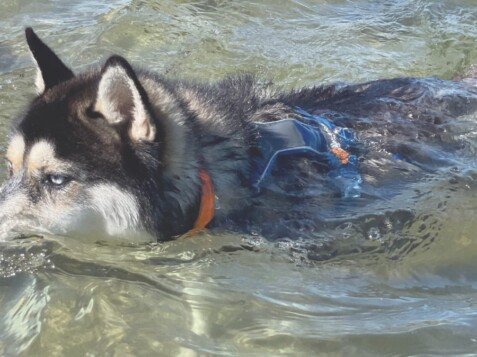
<point>122,99</point>
<point>51,70</point>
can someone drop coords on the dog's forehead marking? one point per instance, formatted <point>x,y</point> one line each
<point>16,151</point>
<point>42,155</point>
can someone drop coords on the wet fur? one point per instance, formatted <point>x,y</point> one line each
<point>211,126</point>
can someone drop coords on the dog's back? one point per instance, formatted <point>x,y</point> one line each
<point>122,151</point>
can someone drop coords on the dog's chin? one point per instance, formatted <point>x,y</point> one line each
<point>85,227</point>
<point>90,236</point>
<point>89,226</point>
<point>21,232</point>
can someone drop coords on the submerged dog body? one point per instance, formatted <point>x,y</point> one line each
<point>120,151</point>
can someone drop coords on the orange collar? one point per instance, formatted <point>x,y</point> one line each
<point>207,204</point>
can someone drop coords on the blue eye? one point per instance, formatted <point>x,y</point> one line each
<point>57,179</point>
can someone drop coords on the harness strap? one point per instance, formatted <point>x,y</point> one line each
<point>313,135</point>
<point>340,154</point>
<point>207,204</point>
<point>318,136</point>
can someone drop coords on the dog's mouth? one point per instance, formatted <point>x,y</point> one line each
<point>22,236</point>
<point>18,229</point>
<point>18,234</point>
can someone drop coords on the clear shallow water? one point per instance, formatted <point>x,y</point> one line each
<point>402,282</point>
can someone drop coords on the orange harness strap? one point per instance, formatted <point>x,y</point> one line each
<point>341,154</point>
<point>207,204</point>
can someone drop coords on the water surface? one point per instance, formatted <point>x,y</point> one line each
<point>403,281</point>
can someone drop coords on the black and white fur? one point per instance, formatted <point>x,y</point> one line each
<point>118,150</point>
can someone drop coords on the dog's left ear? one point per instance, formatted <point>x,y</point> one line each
<point>51,70</point>
<point>122,99</point>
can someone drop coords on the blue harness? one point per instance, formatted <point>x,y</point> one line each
<point>316,136</point>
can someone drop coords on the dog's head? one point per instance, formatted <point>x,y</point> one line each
<point>87,151</point>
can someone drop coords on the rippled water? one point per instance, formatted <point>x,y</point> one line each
<point>402,281</point>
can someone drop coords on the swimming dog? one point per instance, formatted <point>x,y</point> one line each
<point>127,152</point>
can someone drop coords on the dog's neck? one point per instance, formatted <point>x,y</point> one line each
<point>196,141</point>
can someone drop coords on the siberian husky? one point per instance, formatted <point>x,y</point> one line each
<point>126,152</point>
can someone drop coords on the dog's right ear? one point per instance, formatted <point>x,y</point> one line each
<point>121,99</point>
<point>51,70</point>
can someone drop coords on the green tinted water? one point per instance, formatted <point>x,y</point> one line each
<point>406,291</point>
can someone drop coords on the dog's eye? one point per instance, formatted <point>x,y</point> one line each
<point>57,180</point>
